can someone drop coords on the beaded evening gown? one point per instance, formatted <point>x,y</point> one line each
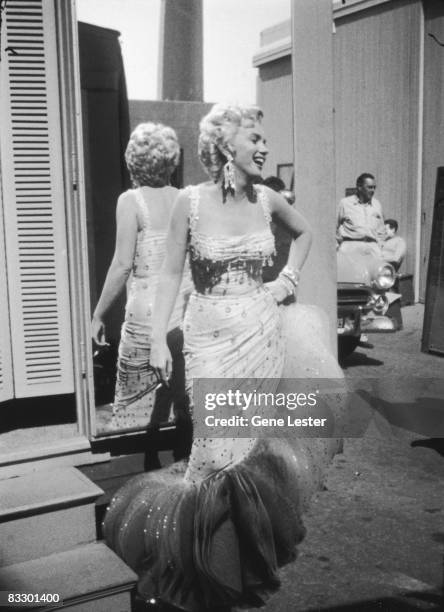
<point>215,532</point>
<point>135,384</point>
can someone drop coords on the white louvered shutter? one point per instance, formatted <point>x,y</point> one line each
<point>33,199</point>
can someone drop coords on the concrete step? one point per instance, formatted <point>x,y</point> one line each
<point>45,512</point>
<point>43,448</point>
<point>89,578</point>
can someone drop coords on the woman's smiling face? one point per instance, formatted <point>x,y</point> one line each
<point>249,149</point>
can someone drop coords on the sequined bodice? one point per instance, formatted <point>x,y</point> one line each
<point>228,265</point>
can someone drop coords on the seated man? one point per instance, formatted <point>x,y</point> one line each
<point>360,216</point>
<point>393,247</point>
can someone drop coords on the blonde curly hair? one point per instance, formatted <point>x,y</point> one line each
<point>152,154</point>
<point>216,129</point>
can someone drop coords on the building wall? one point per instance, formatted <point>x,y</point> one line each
<point>433,152</point>
<point>184,117</point>
<point>377,59</point>
<point>275,98</point>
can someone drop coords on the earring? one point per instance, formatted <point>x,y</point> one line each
<point>228,185</point>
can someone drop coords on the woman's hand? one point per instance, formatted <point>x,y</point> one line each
<point>160,359</point>
<point>277,290</point>
<point>98,332</point>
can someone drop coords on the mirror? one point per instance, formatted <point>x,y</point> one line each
<point>130,54</point>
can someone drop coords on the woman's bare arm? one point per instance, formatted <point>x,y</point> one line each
<point>169,283</point>
<point>301,233</point>
<point>121,264</point>
<point>296,225</point>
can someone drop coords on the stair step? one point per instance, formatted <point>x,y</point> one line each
<point>89,578</point>
<point>45,512</point>
<point>43,491</point>
<point>24,458</point>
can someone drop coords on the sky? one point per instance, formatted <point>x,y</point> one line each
<point>231,38</point>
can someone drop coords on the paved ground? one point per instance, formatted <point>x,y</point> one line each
<point>375,537</point>
<point>397,354</point>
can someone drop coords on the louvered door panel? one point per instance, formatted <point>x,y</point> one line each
<point>33,197</point>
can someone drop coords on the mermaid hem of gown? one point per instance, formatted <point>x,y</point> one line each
<point>220,541</point>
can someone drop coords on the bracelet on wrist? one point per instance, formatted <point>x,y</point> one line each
<point>291,274</point>
<point>287,284</point>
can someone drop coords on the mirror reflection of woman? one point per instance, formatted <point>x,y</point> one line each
<point>143,215</point>
<point>215,535</point>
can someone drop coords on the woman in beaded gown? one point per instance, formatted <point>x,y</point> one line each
<point>213,533</point>
<point>143,215</point>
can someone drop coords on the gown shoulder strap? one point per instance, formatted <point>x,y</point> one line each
<point>193,191</point>
<point>265,203</point>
